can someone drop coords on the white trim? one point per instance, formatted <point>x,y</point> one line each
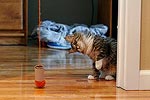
<point>129,23</point>
<point>144,72</point>
<point>120,45</point>
<point>144,80</point>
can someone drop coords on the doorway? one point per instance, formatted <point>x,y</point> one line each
<point>72,11</point>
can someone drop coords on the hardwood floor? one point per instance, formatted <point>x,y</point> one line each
<point>65,75</point>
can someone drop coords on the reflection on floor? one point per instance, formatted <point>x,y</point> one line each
<point>25,58</point>
<point>60,59</point>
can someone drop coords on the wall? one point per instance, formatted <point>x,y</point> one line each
<point>145,35</point>
<point>63,11</point>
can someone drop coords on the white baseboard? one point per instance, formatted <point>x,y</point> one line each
<point>144,83</point>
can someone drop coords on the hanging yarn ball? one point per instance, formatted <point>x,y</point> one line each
<point>39,76</point>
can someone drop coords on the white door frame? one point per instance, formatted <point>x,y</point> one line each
<point>129,75</point>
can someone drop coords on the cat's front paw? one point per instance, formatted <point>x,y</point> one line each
<point>109,78</point>
<point>91,77</point>
<point>71,51</point>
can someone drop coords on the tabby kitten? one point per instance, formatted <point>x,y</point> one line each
<point>103,52</point>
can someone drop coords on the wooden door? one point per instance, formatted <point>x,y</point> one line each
<point>13,22</point>
<point>108,15</point>
<point>105,14</point>
<point>11,15</point>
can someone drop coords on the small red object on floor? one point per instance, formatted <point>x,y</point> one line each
<point>40,84</point>
<point>39,76</point>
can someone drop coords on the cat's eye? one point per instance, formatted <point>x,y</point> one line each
<point>101,51</point>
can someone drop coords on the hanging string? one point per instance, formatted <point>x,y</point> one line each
<point>39,36</point>
<point>39,70</point>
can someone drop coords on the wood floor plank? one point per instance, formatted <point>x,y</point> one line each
<point>66,77</point>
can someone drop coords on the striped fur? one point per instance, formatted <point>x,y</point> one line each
<point>103,51</point>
